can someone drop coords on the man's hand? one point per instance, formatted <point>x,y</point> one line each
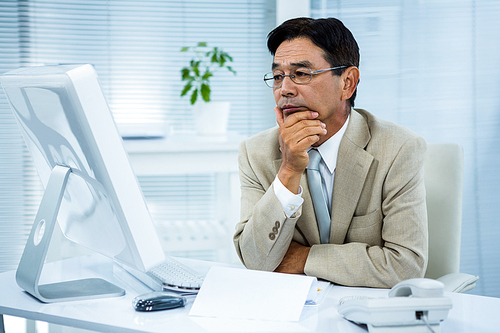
<point>294,260</point>
<point>297,133</point>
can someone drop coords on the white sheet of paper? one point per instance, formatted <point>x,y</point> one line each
<point>247,294</point>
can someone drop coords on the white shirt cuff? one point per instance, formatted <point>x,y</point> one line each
<point>289,202</point>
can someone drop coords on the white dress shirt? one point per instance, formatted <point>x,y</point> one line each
<point>329,151</point>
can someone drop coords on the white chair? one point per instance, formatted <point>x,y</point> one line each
<point>443,177</point>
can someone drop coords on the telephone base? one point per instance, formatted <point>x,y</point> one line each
<point>436,328</point>
<point>413,306</point>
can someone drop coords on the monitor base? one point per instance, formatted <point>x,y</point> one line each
<point>33,258</point>
<point>78,290</point>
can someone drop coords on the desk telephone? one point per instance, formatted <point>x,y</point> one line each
<point>414,305</point>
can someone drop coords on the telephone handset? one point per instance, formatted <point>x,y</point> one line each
<point>418,288</point>
<point>414,305</point>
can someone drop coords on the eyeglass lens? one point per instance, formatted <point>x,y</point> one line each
<point>299,75</point>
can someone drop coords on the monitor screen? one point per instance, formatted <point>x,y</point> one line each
<point>66,121</point>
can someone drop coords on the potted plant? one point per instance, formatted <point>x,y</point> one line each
<point>210,117</point>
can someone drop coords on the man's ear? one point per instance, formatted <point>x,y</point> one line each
<point>350,79</point>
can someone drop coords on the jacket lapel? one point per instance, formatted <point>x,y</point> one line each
<point>353,164</point>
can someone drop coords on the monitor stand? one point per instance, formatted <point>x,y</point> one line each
<point>31,264</point>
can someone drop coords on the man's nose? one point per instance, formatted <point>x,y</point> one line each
<point>288,87</point>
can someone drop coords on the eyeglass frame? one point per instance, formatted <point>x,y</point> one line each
<point>312,72</point>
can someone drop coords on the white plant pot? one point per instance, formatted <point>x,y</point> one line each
<point>211,118</point>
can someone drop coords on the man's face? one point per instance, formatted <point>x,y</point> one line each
<point>322,94</point>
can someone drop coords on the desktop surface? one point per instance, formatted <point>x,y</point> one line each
<point>470,313</point>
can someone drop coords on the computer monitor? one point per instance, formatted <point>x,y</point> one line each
<point>89,182</point>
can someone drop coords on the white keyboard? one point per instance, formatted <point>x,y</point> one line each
<point>172,275</point>
<point>169,275</point>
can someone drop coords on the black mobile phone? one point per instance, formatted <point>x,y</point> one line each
<point>158,300</point>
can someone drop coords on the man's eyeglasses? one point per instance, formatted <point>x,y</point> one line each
<point>300,75</point>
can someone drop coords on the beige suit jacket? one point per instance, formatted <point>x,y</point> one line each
<point>379,219</point>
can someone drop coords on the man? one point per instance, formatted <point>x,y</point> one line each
<point>371,170</point>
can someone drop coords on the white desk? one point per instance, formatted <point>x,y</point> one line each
<point>470,314</point>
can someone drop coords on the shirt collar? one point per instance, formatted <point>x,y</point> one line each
<point>329,150</point>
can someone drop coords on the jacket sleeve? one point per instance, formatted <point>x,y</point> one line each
<point>264,232</point>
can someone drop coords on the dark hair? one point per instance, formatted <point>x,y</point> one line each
<point>329,34</point>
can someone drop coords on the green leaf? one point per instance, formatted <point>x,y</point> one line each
<point>205,92</point>
<point>207,75</point>
<point>196,70</point>
<point>231,69</point>
<point>194,96</point>
<point>186,89</point>
<point>202,44</point>
<point>186,74</point>
<point>184,49</point>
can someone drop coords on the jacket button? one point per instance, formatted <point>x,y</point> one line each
<point>275,230</point>
<point>277,224</point>
<point>272,236</point>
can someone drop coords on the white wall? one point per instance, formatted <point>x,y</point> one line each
<point>287,9</point>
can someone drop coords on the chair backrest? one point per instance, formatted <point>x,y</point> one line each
<point>443,177</point>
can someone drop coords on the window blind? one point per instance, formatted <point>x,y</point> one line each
<point>432,66</point>
<point>135,49</point>
<point>12,228</point>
